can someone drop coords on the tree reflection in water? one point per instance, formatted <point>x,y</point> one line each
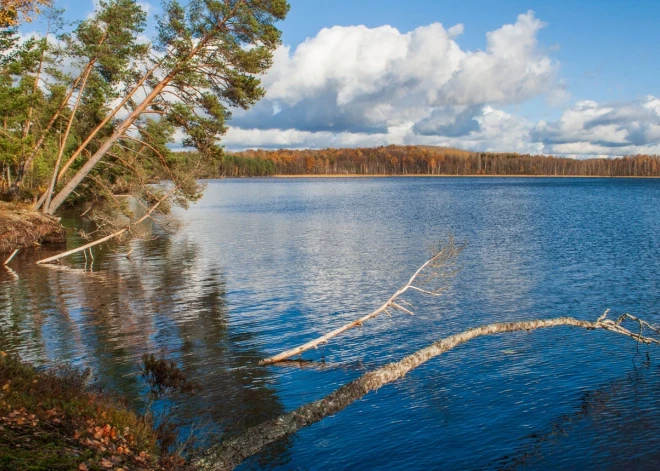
<point>627,407</point>
<point>164,300</point>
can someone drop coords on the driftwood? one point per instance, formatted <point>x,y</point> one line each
<point>230,453</point>
<point>426,280</point>
<point>111,236</point>
<point>11,256</point>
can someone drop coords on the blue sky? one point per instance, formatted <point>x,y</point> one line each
<point>576,78</point>
<point>607,49</point>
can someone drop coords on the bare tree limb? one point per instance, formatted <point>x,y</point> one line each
<point>230,453</point>
<point>13,254</point>
<point>440,262</point>
<point>111,236</point>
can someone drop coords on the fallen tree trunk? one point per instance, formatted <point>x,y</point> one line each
<point>108,237</point>
<point>229,454</point>
<point>438,265</point>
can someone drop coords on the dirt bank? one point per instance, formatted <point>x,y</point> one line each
<point>20,227</point>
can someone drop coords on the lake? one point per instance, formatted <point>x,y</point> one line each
<point>262,265</point>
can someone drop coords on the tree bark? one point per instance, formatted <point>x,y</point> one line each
<point>439,260</point>
<point>232,452</point>
<point>111,236</point>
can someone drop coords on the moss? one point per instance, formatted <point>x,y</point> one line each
<point>50,420</point>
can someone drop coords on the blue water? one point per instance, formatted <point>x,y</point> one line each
<point>260,266</point>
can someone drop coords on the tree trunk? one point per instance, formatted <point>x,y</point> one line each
<point>109,237</point>
<point>52,120</point>
<point>106,146</point>
<point>60,152</point>
<point>232,452</point>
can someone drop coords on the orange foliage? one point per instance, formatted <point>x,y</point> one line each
<point>428,160</point>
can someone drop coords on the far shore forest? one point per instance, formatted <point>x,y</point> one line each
<point>99,112</point>
<point>415,160</point>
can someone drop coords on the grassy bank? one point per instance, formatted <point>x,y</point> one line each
<point>51,421</point>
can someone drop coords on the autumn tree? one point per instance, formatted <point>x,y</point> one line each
<point>12,12</point>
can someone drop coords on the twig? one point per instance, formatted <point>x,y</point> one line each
<point>13,254</point>
<point>440,260</point>
<point>230,453</point>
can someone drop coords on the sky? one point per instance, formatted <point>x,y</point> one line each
<point>563,77</point>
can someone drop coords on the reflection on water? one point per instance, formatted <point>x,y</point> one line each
<point>628,409</point>
<point>163,300</point>
<point>263,265</point>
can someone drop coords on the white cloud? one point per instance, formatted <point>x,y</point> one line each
<point>614,129</point>
<point>359,86</point>
<point>498,131</point>
<point>377,86</point>
<point>368,80</point>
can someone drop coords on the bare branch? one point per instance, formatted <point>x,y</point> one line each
<point>232,452</point>
<point>111,236</point>
<point>401,308</point>
<point>439,265</point>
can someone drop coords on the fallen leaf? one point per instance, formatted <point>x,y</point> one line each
<point>106,464</point>
<point>83,467</point>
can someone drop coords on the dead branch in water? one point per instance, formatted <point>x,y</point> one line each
<point>11,256</point>
<point>428,279</point>
<point>229,454</point>
<point>111,236</point>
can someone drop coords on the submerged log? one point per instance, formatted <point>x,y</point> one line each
<point>232,452</point>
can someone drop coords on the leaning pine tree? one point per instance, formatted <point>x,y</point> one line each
<point>206,59</point>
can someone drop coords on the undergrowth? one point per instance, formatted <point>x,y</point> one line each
<point>51,420</point>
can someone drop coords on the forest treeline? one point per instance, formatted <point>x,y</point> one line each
<point>417,160</point>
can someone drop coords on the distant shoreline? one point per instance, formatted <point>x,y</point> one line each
<point>359,175</point>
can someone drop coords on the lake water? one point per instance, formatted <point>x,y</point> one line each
<point>260,266</point>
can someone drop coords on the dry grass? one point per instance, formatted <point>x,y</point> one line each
<point>20,227</point>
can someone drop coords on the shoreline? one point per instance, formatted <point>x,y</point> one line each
<point>425,175</point>
<point>21,227</point>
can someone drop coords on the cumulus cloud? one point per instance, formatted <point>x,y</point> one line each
<point>497,131</point>
<point>613,129</point>
<point>368,81</point>
<point>359,86</point>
